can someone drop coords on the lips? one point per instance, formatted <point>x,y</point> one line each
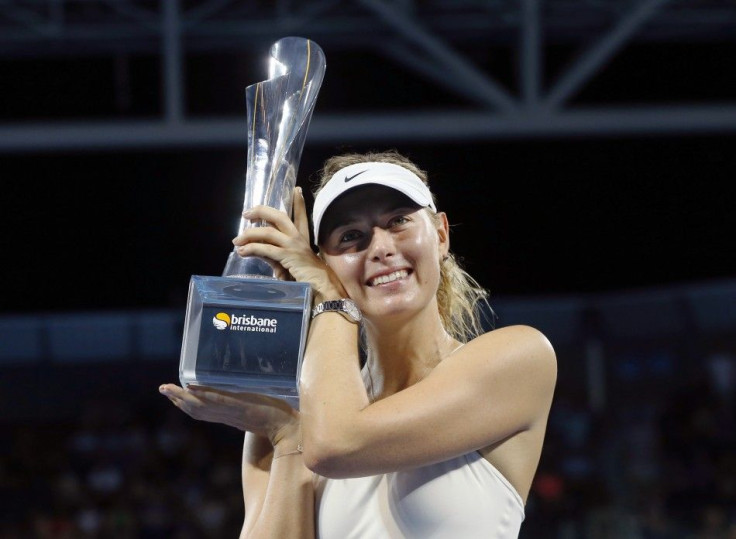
<point>388,277</point>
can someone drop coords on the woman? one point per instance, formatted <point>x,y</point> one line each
<point>437,430</point>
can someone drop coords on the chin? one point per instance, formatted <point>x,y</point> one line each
<point>395,307</point>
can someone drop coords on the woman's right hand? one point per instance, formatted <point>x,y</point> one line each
<point>266,416</point>
<point>285,244</point>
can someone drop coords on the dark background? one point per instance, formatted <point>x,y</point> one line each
<point>127,230</point>
<point>640,439</point>
<point>532,216</point>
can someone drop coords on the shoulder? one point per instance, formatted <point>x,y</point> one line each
<point>520,353</point>
<point>505,377</point>
<point>519,342</point>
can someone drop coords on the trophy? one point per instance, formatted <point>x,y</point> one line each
<point>246,330</point>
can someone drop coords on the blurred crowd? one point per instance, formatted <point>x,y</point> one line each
<point>122,473</point>
<point>655,462</point>
<point>658,462</point>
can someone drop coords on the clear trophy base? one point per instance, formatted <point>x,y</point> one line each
<point>245,335</point>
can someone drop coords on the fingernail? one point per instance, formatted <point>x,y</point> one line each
<point>161,389</point>
<point>247,213</point>
<point>299,190</point>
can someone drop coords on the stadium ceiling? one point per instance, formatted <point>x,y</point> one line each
<point>438,41</point>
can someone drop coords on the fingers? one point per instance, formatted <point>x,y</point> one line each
<point>280,250</point>
<point>279,220</point>
<point>263,250</point>
<point>205,405</point>
<point>228,397</point>
<point>301,220</point>
<point>275,217</point>
<point>279,272</point>
<point>179,396</point>
<point>174,393</point>
<point>261,234</point>
<point>261,414</point>
<point>285,244</point>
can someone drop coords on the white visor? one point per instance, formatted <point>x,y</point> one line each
<point>370,173</point>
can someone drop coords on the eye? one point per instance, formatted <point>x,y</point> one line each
<point>349,235</point>
<point>398,220</point>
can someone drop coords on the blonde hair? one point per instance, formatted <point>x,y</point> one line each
<point>460,298</point>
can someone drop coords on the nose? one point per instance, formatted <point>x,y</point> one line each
<point>381,244</point>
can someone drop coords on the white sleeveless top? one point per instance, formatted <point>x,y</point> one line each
<point>465,497</point>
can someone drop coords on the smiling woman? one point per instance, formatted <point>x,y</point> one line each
<point>459,296</point>
<point>392,224</point>
<point>438,428</point>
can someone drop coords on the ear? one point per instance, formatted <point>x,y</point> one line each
<point>443,233</point>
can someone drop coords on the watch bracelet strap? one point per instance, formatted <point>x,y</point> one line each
<point>335,306</point>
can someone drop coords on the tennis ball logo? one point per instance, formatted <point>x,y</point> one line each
<point>221,321</point>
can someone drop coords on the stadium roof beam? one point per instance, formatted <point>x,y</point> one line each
<point>426,37</point>
<point>597,56</point>
<point>432,126</point>
<point>530,57</point>
<point>450,64</point>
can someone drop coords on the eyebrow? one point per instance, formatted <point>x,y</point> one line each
<point>350,220</point>
<point>338,224</point>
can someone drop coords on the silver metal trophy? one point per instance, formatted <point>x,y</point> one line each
<point>246,330</point>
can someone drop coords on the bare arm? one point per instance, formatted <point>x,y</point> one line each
<point>496,386</point>
<point>277,486</point>
<point>278,493</point>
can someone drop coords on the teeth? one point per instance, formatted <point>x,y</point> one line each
<point>383,279</point>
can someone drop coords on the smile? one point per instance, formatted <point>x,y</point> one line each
<point>393,276</point>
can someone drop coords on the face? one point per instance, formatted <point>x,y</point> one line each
<point>385,250</point>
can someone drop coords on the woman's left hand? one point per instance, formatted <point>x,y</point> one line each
<point>285,243</point>
<point>260,414</point>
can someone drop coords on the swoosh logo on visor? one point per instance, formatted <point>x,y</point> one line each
<point>348,178</point>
